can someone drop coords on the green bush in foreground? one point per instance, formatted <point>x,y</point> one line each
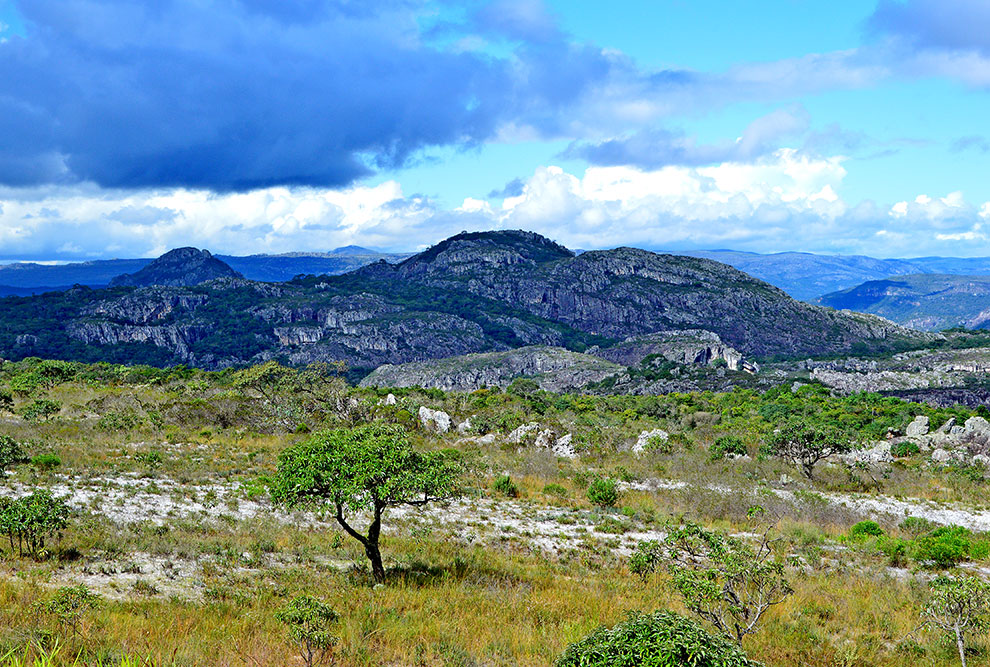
<point>504,485</point>
<point>310,621</point>
<point>660,639</point>
<point>31,520</point>
<point>603,492</point>
<point>11,452</point>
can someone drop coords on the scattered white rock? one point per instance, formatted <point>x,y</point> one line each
<point>437,420</point>
<point>918,427</point>
<point>644,439</point>
<point>519,434</point>
<point>879,453</point>
<point>947,426</point>
<point>982,459</point>
<point>943,455</point>
<point>464,426</point>
<point>389,400</point>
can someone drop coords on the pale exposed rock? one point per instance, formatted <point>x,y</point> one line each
<point>918,427</point>
<point>464,426</point>
<point>977,427</point>
<point>646,436</point>
<point>389,400</point>
<point>519,434</point>
<point>879,453</point>
<point>947,426</point>
<point>564,448</point>
<point>981,459</point>
<point>941,456</point>
<point>437,420</point>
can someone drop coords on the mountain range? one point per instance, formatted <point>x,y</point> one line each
<point>472,293</point>
<point>921,301</point>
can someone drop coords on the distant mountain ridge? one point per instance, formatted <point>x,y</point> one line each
<point>180,268</point>
<point>922,301</point>
<point>474,292</point>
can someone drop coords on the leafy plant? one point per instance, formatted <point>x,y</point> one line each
<point>40,410</point>
<point>806,444</point>
<point>310,621</point>
<point>68,604</point>
<point>722,579</point>
<point>603,492</point>
<point>959,606</point>
<point>31,520</point>
<point>364,469</point>
<point>660,639</point>
<point>11,452</point>
<point>727,445</point>
<point>504,485</point>
<point>46,461</point>
<point>864,530</point>
<point>906,448</point>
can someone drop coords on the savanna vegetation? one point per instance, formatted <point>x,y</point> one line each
<point>272,516</point>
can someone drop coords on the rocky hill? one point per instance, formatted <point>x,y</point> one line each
<point>924,301</point>
<point>473,293</point>
<point>179,267</point>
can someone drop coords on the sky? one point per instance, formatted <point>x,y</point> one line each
<point>130,127</point>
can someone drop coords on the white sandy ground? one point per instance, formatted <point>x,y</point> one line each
<point>554,531</point>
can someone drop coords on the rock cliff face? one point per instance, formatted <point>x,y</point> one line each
<point>486,292</point>
<point>179,267</point>
<point>554,369</point>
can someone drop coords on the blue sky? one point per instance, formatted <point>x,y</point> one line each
<point>247,126</point>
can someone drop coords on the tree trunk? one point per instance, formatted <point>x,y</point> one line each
<point>961,646</point>
<point>375,556</point>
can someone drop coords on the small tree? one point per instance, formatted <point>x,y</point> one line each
<point>722,579</point>
<point>11,452</point>
<point>68,605</point>
<point>6,400</point>
<point>31,520</point>
<point>959,605</point>
<point>806,444</point>
<point>660,639</point>
<point>290,396</point>
<point>603,492</point>
<point>310,621</point>
<point>364,469</point>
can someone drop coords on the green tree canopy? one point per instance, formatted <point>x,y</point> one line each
<point>364,470</point>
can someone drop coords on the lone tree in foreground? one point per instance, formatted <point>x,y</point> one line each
<point>807,444</point>
<point>959,605</point>
<point>660,639</point>
<point>725,580</point>
<point>366,470</point>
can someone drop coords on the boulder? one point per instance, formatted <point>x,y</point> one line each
<point>941,456</point>
<point>977,429</point>
<point>519,434</point>
<point>947,426</point>
<point>436,420</point>
<point>564,448</point>
<point>644,439</point>
<point>464,426</point>
<point>388,400</point>
<point>879,453</point>
<point>918,427</point>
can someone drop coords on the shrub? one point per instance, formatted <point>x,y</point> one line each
<point>806,444</point>
<point>505,486</point>
<point>40,410</point>
<point>68,604</point>
<point>721,578</point>
<point>727,445</point>
<point>603,492</point>
<point>554,490</point>
<point>11,452</point>
<point>152,458</point>
<point>31,520</point>
<point>959,606</point>
<point>917,525</point>
<point>660,639</point>
<point>895,549</point>
<point>46,461</point>
<point>865,529</point>
<point>944,547</point>
<point>118,421</point>
<point>309,621</point>
<point>902,449</point>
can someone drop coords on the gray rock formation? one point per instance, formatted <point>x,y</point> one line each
<point>434,420</point>
<point>691,346</point>
<point>554,369</point>
<point>918,427</point>
<point>643,441</point>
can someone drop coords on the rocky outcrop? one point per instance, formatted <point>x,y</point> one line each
<point>179,267</point>
<point>646,437</point>
<point>554,369</point>
<point>434,420</point>
<point>692,346</point>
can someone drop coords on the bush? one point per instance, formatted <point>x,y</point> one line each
<point>554,490</point>
<point>944,547</point>
<point>118,421</point>
<point>310,621</point>
<point>505,486</point>
<point>865,529</point>
<point>727,445</point>
<point>603,492</point>
<point>902,449</point>
<point>11,452</point>
<point>68,604</point>
<point>660,639</point>
<point>46,461</point>
<point>40,410</point>
<point>917,525</point>
<point>31,520</point>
